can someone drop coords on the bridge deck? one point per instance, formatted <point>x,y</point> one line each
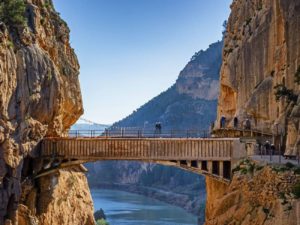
<point>209,156</point>
<point>139,148</point>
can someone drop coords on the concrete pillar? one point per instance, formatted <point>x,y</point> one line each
<point>199,164</point>
<point>210,167</point>
<point>221,169</point>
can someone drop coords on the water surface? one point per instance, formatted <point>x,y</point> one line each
<point>122,208</point>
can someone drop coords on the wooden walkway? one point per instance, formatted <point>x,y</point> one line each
<point>208,156</point>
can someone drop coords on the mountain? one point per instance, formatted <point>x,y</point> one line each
<point>190,103</point>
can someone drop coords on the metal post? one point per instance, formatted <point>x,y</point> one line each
<point>279,152</point>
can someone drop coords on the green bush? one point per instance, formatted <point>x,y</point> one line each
<point>283,91</point>
<point>102,222</point>
<point>289,165</point>
<point>12,12</point>
<point>296,190</point>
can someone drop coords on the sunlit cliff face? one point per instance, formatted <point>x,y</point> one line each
<point>39,88</point>
<point>260,51</point>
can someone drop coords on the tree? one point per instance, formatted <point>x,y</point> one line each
<point>12,12</point>
<point>283,91</point>
<point>225,23</point>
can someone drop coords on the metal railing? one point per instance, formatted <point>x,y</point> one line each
<point>139,133</point>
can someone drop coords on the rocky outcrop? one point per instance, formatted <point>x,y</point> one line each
<point>261,50</point>
<point>257,195</point>
<point>200,77</point>
<point>39,92</point>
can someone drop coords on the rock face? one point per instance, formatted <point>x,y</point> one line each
<point>200,77</point>
<point>261,50</point>
<point>39,93</point>
<point>261,195</point>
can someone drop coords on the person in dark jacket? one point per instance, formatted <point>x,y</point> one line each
<point>223,122</point>
<point>235,122</point>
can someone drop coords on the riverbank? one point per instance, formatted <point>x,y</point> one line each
<point>190,204</point>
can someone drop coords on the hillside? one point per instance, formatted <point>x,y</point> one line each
<point>191,102</point>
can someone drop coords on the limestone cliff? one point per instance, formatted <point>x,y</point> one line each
<point>257,195</point>
<point>39,93</point>
<point>261,50</point>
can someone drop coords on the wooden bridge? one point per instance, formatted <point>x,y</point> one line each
<point>209,156</point>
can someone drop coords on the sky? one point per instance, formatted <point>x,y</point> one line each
<point>131,50</point>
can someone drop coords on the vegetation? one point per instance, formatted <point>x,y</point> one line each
<point>296,190</point>
<point>102,222</point>
<point>12,12</point>
<point>283,91</point>
<point>247,167</point>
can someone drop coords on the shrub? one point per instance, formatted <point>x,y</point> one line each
<point>289,165</point>
<point>283,91</point>
<point>102,222</point>
<point>296,190</point>
<point>12,12</point>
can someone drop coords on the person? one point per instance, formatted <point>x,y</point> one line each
<point>159,128</point>
<point>247,124</point>
<point>267,147</point>
<point>156,128</point>
<point>273,149</point>
<point>223,122</point>
<point>235,122</point>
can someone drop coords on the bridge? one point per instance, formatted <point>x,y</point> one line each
<point>204,155</point>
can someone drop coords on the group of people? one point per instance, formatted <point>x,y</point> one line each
<point>247,123</point>
<point>269,148</point>
<point>158,128</point>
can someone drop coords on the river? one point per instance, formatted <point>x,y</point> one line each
<point>123,208</point>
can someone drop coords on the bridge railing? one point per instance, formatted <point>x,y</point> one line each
<point>139,133</point>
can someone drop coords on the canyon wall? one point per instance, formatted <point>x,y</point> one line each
<point>262,50</point>
<point>39,94</point>
<point>256,195</point>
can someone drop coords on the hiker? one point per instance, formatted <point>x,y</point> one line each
<point>157,128</point>
<point>235,122</point>
<point>273,149</point>
<point>247,124</point>
<point>267,147</point>
<point>223,122</point>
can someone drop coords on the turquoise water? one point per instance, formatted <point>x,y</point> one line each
<point>122,208</point>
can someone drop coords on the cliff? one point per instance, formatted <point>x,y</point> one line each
<point>257,195</point>
<point>39,95</point>
<point>261,51</point>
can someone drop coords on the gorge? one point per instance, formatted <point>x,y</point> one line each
<point>40,97</point>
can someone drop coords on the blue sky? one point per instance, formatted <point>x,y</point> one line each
<point>131,50</point>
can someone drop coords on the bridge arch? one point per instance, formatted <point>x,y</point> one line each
<point>207,156</point>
